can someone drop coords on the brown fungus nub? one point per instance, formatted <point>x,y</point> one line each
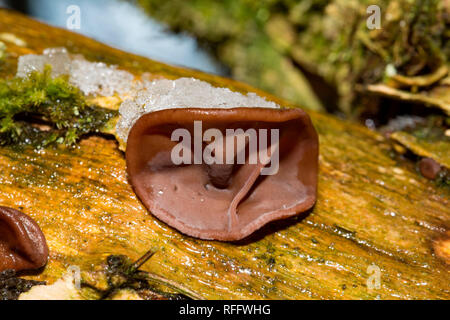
<point>429,168</point>
<point>223,201</point>
<point>22,243</point>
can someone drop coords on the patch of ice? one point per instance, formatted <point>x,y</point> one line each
<point>91,77</point>
<point>94,78</point>
<point>59,59</point>
<point>30,63</point>
<point>99,78</point>
<point>182,93</point>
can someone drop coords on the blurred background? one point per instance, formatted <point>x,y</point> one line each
<point>126,26</point>
<point>370,61</point>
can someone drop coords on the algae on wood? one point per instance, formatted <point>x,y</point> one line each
<point>439,151</point>
<point>372,209</point>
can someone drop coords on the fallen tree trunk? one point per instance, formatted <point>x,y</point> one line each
<point>373,210</point>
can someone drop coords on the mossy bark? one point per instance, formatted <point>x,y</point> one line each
<point>276,44</point>
<point>372,208</point>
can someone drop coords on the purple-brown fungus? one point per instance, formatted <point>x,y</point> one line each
<point>429,168</point>
<point>223,201</point>
<point>22,243</point>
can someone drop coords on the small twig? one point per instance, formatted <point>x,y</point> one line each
<point>173,285</point>
<point>161,280</point>
<point>384,90</point>
<point>424,80</point>
<point>139,262</point>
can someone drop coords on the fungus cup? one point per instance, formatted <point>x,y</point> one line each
<point>22,243</point>
<point>223,201</point>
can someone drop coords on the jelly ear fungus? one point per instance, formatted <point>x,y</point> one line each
<point>223,203</point>
<point>22,243</point>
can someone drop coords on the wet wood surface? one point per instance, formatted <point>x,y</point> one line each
<point>372,209</point>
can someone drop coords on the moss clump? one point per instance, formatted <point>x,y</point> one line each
<point>122,273</point>
<point>272,43</point>
<point>432,130</point>
<point>40,110</point>
<point>11,286</point>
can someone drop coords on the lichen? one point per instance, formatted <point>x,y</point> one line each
<point>41,110</point>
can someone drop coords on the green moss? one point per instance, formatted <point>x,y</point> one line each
<point>271,43</point>
<point>28,105</point>
<point>443,179</point>
<point>432,130</point>
<point>11,286</point>
<point>235,33</point>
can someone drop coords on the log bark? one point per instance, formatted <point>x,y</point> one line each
<point>373,210</point>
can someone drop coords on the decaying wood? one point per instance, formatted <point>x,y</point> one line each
<point>426,100</point>
<point>372,209</point>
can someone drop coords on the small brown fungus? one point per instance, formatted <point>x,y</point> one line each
<point>224,201</point>
<point>429,168</point>
<point>22,243</point>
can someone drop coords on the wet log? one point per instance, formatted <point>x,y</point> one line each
<point>374,211</point>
